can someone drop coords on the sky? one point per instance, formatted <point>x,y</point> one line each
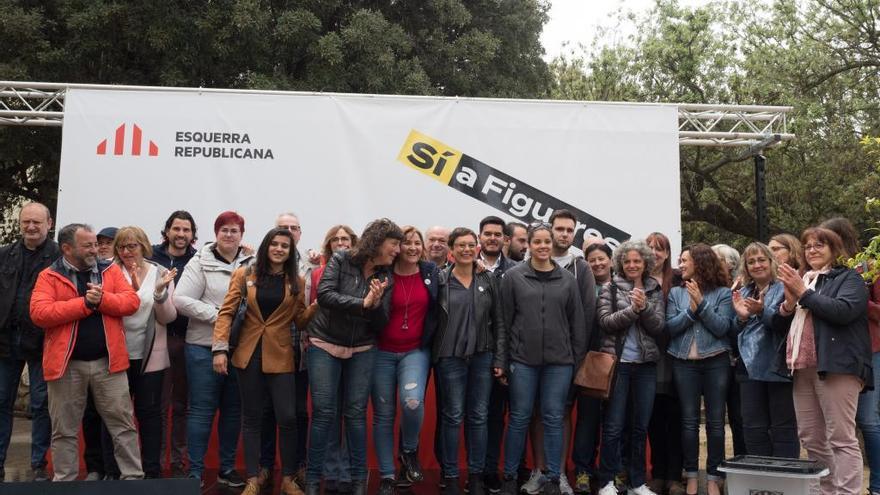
<point>577,21</point>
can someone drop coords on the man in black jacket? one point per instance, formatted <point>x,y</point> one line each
<point>492,234</point>
<point>175,252</point>
<point>20,341</point>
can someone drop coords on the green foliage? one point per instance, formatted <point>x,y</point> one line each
<point>865,261</point>
<point>432,47</point>
<point>819,56</point>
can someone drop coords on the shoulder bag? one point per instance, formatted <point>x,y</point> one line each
<point>595,375</point>
<point>240,313</point>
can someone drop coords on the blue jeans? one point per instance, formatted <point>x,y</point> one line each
<point>634,388</point>
<point>707,378</point>
<point>398,378</point>
<point>465,388</point>
<point>868,420</point>
<point>326,375</point>
<point>209,391</point>
<point>554,382</point>
<point>336,455</point>
<point>41,428</point>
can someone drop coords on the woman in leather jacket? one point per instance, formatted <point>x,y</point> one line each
<point>469,350</point>
<point>342,345</point>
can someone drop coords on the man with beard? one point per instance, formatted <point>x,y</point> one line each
<point>21,342</point>
<point>175,251</point>
<point>518,234</point>
<point>438,251</point>
<point>491,242</point>
<point>80,301</point>
<point>562,228</point>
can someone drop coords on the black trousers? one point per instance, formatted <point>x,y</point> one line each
<point>278,389</point>
<point>146,392</point>
<point>664,434</point>
<point>770,424</point>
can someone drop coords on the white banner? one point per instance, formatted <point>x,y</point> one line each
<point>133,157</point>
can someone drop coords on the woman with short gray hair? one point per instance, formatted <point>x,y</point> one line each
<point>632,315</point>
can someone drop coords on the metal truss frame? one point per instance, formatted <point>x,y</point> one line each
<point>752,126</point>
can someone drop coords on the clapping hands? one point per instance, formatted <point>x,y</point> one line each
<point>374,296</point>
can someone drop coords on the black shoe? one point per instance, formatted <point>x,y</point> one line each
<point>509,486</point>
<point>475,485</point>
<point>551,487</point>
<point>451,487</point>
<point>40,474</point>
<point>331,486</point>
<point>409,461</point>
<point>344,487</point>
<point>523,475</point>
<point>492,482</point>
<point>313,489</point>
<point>359,487</point>
<point>230,478</point>
<point>386,487</point>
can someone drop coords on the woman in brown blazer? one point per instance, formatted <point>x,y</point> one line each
<point>264,357</point>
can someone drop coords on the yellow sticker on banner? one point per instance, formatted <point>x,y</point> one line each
<point>429,156</point>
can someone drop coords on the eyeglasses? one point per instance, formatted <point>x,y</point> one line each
<point>292,228</point>
<point>129,247</point>
<point>817,246</point>
<point>230,231</point>
<point>340,239</point>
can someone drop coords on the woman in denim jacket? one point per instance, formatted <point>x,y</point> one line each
<point>770,427</point>
<point>699,317</point>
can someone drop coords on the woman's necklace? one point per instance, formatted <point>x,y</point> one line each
<point>407,292</point>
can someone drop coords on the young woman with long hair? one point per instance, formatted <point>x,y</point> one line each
<point>699,317</point>
<point>264,357</point>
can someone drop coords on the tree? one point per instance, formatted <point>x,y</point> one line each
<point>430,47</point>
<point>818,56</point>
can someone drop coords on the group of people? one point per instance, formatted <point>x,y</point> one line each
<point>782,339</point>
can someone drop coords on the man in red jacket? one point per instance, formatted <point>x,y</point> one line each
<point>79,302</point>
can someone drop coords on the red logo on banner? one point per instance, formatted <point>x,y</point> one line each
<point>136,141</point>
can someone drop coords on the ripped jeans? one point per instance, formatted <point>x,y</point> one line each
<point>398,378</point>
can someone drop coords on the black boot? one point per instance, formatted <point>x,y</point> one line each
<point>409,466</point>
<point>475,485</point>
<point>386,487</point>
<point>450,487</point>
<point>509,486</point>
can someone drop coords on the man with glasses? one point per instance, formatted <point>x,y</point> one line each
<point>21,342</point>
<point>80,302</point>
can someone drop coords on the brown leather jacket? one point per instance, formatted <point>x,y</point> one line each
<point>277,350</point>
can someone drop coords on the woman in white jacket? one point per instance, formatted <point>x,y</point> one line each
<point>146,342</point>
<point>199,296</point>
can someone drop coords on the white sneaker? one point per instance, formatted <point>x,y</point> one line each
<point>93,476</point>
<point>642,490</point>
<point>564,487</point>
<point>608,489</point>
<point>535,484</point>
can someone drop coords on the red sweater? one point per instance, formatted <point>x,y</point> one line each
<point>409,302</point>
